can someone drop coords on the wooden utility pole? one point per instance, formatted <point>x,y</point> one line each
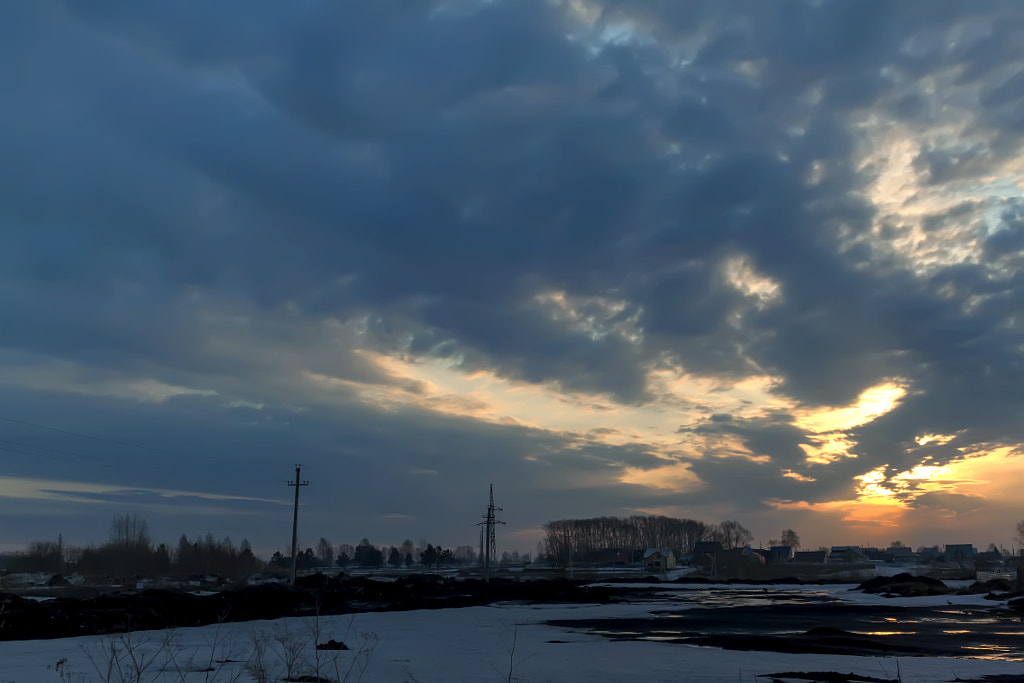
<point>295,518</point>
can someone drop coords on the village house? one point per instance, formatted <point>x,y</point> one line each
<point>659,560</point>
<point>701,548</point>
<point>960,552</point>
<point>811,556</point>
<point>849,554</point>
<point>778,554</point>
<point>903,555</point>
<point>609,557</point>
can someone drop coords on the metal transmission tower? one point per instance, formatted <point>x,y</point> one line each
<point>488,542</point>
<point>298,483</point>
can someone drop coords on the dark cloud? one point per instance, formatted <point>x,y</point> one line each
<point>956,503</point>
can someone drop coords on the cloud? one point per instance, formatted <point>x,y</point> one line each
<point>514,241</point>
<point>955,503</point>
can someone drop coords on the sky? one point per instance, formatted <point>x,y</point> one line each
<point>715,259</point>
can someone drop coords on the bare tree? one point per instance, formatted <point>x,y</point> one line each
<point>584,538</point>
<point>129,548</point>
<point>130,532</point>
<point>791,538</point>
<point>733,534</point>
<point>325,551</point>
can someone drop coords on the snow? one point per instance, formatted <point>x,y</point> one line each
<point>476,644</point>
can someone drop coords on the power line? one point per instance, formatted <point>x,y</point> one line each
<point>78,434</point>
<point>70,454</point>
<point>17,450</point>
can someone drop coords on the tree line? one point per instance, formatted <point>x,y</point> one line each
<point>584,540</point>
<point>368,555</point>
<point>131,552</point>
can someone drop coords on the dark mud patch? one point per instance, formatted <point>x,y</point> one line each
<point>23,619</point>
<point>904,585</point>
<point>822,677</point>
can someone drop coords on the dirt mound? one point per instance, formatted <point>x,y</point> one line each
<point>904,585</point>
<point>823,677</point>
<point>989,587</point>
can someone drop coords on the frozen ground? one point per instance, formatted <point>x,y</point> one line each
<point>496,643</point>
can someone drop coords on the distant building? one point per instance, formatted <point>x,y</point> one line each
<point>960,552</point>
<point>759,554</point>
<point>659,560</point>
<point>990,560</point>
<point>778,554</point>
<point>609,557</point>
<point>811,556</point>
<point>846,553</point>
<point>738,563</point>
<point>701,548</point>
<point>876,555</point>
<point>903,554</point>
<point>993,556</point>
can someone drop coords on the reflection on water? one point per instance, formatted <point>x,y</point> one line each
<point>790,620</point>
<point>994,652</point>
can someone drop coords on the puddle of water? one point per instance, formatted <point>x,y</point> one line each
<point>790,619</point>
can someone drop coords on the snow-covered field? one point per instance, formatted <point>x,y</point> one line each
<point>495,643</point>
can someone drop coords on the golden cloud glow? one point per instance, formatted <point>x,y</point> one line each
<point>921,473</point>
<point>882,499</point>
<point>871,487</point>
<point>982,488</point>
<point>595,316</point>
<point>826,428</point>
<point>681,398</point>
<point>828,448</point>
<point>483,395</point>
<point>672,477</point>
<point>938,439</point>
<point>872,403</point>
<point>868,514</point>
<point>905,193</point>
<point>992,474</point>
<point>739,272</point>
